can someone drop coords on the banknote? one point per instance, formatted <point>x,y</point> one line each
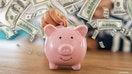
<point>74,21</point>
<point>27,27</point>
<point>71,22</point>
<point>113,32</point>
<point>49,4</point>
<point>41,11</point>
<point>7,30</point>
<point>129,8</point>
<point>124,31</point>
<point>105,24</point>
<point>101,44</point>
<point>12,17</point>
<point>67,3</point>
<point>7,2</point>
<point>4,3</point>
<point>119,7</point>
<point>38,2</point>
<point>105,12</point>
<point>71,9</point>
<point>88,9</point>
<point>15,10</point>
<point>96,32</point>
<point>29,16</point>
<point>92,23</point>
<point>129,33</point>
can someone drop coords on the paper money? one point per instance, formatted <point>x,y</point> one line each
<point>74,21</point>
<point>49,4</point>
<point>2,3</point>
<point>96,32</point>
<point>88,9</point>
<point>67,3</point>
<point>92,23</point>
<point>129,33</point>
<point>101,44</point>
<point>38,2</point>
<point>7,30</point>
<point>129,8</point>
<point>27,27</point>
<point>105,24</point>
<point>11,17</point>
<point>71,22</point>
<point>119,7</point>
<point>29,16</point>
<point>32,38</point>
<point>41,11</point>
<point>71,9</point>
<point>124,31</point>
<point>113,32</point>
<point>105,12</point>
<point>14,11</point>
<point>7,2</point>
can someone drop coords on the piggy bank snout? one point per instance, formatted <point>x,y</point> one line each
<point>65,49</point>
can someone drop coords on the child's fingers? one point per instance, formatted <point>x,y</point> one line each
<point>65,21</point>
<point>49,19</point>
<point>57,16</point>
<point>43,22</point>
<point>53,16</point>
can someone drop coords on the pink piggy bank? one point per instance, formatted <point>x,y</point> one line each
<point>65,46</point>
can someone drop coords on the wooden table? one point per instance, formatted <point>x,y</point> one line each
<point>20,61</point>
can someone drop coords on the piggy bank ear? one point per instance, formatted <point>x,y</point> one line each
<point>82,29</point>
<point>48,29</point>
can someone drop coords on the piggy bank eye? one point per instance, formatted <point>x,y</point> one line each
<point>60,37</point>
<point>71,37</point>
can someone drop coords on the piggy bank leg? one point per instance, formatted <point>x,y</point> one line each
<point>53,66</point>
<point>76,67</point>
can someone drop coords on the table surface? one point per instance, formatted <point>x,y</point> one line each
<point>31,60</point>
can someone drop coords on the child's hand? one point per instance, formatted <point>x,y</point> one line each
<point>54,17</point>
